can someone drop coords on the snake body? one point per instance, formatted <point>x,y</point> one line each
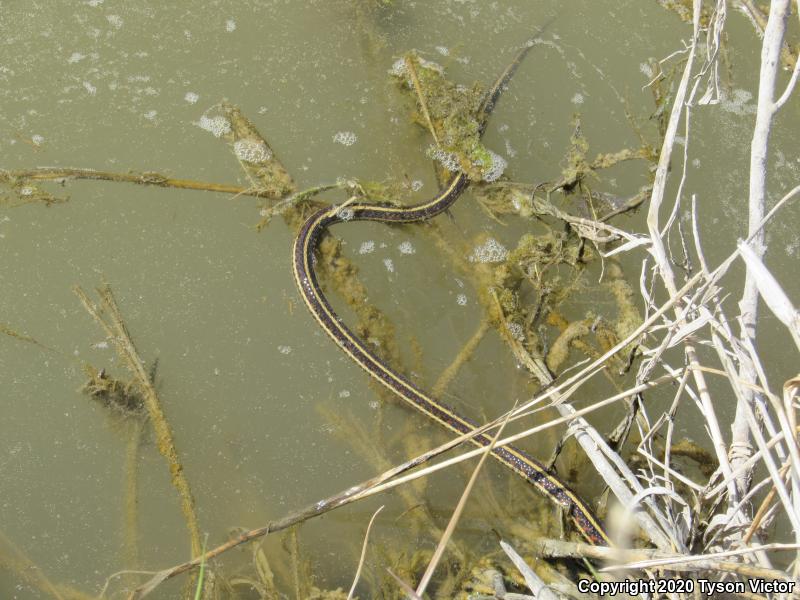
<point>303,266</point>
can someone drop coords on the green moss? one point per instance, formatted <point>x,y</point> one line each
<point>576,167</point>
<point>453,111</point>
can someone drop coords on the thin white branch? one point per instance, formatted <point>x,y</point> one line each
<point>789,87</point>
<point>657,248</point>
<point>748,306</point>
<point>771,292</point>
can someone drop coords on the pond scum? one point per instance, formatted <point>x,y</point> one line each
<point>531,295</point>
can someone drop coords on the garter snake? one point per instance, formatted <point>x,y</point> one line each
<point>303,266</point>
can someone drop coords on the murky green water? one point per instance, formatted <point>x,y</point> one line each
<point>242,368</point>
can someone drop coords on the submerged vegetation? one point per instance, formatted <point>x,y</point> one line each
<point>568,296</point>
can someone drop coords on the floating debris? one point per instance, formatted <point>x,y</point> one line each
<point>120,396</point>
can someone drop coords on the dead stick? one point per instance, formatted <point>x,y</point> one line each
<point>118,334</point>
<point>412,71</point>
<point>61,175</point>
<point>762,509</point>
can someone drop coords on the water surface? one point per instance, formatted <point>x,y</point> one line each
<point>242,368</point>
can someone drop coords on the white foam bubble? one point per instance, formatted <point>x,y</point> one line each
<point>345,138</point>
<point>516,331</point>
<point>398,68</point>
<point>491,251</point>
<point>218,125</point>
<point>406,248</point>
<point>252,151</point>
<point>447,159</point>
<point>739,103</point>
<point>495,170</point>
<point>345,213</point>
